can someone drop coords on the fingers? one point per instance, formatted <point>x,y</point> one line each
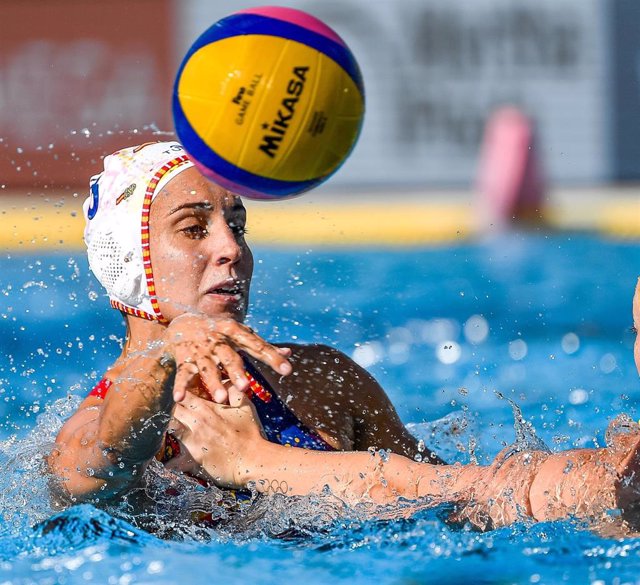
<point>224,377</point>
<point>244,338</point>
<point>270,355</point>
<point>232,363</point>
<point>187,376</point>
<point>200,346</point>
<point>212,380</point>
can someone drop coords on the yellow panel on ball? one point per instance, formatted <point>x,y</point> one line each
<point>275,122</point>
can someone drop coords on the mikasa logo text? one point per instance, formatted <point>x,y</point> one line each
<point>278,128</point>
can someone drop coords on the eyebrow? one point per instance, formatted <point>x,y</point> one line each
<point>206,206</point>
<point>196,205</point>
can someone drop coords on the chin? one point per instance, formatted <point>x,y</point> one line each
<point>213,310</point>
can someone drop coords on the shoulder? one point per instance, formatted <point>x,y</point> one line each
<point>319,360</point>
<point>319,353</point>
<point>329,369</point>
<point>88,410</point>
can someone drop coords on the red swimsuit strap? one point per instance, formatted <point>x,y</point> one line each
<point>101,388</point>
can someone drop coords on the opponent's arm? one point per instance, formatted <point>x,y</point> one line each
<point>227,442</point>
<point>583,482</point>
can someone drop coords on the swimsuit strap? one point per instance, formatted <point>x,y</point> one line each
<point>101,388</point>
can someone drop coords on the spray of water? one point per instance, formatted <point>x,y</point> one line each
<point>167,505</point>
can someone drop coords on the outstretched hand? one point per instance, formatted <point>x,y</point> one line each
<point>205,351</point>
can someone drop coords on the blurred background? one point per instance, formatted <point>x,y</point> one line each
<point>482,116</point>
<point>435,72</point>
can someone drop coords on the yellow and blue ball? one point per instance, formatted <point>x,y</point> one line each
<point>268,102</point>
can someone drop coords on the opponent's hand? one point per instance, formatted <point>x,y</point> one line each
<point>623,437</point>
<point>205,351</point>
<point>223,439</point>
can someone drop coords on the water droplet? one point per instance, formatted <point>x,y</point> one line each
<point>570,343</point>
<point>518,349</point>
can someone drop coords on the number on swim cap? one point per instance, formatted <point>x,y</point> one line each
<point>95,197</point>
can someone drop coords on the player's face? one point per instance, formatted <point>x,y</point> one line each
<point>636,324</point>
<point>200,260</point>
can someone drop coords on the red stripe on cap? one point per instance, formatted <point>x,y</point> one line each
<point>144,232</point>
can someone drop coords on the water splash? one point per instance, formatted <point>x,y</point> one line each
<point>168,505</point>
<point>623,424</point>
<point>526,437</point>
<point>452,437</point>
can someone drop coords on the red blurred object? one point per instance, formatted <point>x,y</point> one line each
<point>510,183</point>
<point>78,80</point>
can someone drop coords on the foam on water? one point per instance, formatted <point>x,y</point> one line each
<point>162,506</point>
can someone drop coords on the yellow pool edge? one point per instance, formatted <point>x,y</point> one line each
<point>45,223</point>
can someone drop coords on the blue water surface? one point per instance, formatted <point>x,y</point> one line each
<point>451,333</point>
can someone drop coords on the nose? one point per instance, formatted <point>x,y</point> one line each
<point>224,245</point>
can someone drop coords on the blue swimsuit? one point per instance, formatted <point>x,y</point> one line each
<point>279,423</point>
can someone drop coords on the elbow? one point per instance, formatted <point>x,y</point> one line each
<point>68,485</point>
<point>76,481</point>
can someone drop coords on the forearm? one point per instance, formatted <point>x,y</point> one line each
<point>356,476</point>
<point>534,484</point>
<point>107,453</point>
<point>136,411</point>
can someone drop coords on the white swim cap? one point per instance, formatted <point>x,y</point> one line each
<point>117,222</point>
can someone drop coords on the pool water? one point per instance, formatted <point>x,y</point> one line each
<point>454,334</point>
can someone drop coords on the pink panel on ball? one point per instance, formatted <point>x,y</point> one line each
<point>298,17</point>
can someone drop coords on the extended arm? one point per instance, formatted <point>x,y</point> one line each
<point>227,442</point>
<point>542,486</point>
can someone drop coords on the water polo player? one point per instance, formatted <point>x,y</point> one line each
<point>198,390</point>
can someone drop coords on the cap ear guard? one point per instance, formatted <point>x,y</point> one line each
<point>117,212</point>
<point>119,271</point>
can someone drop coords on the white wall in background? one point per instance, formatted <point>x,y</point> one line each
<point>434,70</point>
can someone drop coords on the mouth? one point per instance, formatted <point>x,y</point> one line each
<point>231,290</point>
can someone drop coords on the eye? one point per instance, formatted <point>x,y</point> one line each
<point>238,228</point>
<point>195,231</point>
